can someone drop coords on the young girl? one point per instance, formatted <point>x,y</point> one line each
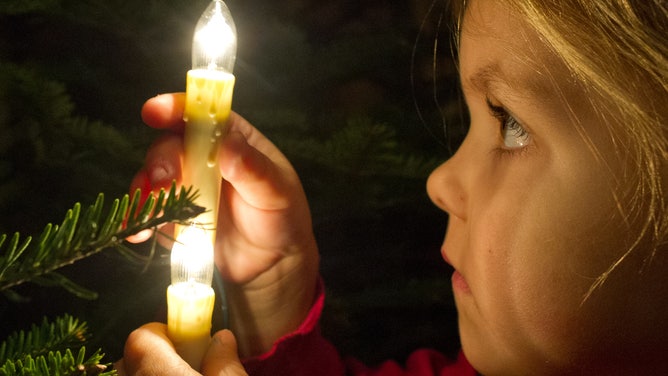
<point>557,213</point>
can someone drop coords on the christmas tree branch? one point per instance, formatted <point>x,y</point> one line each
<point>82,235</point>
<point>47,349</point>
<point>62,333</point>
<point>58,364</point>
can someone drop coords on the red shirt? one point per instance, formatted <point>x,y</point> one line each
<point>305,352</point>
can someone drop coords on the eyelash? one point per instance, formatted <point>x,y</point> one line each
<point>508,123</point>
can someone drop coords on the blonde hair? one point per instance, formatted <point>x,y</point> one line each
<point>618,50</point>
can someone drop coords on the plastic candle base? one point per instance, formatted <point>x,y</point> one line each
<point>189,312</point>
<point>207,110</point>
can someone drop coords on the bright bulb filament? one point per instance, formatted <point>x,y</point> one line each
<point>192,257</point>
<point>215,40</point>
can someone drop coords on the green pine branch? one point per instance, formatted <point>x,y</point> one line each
<point>82,234</point>
<point>58,364</point>
<point>47,349</point>
<point>57,335</point>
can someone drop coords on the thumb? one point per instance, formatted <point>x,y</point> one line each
<point>258,172</point>
<point>221,358</point>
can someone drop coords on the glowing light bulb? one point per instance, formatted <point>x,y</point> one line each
<point>192,257</point>
<point>215,40</point>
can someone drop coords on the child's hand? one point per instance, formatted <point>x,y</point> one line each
<point>265,244</point>
<point>148,351</point>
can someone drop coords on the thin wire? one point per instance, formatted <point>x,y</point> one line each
<point>220,291</point>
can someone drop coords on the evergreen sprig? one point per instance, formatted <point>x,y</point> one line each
<point>48,349</point>
<point>62,333</point>
<point>57,363</point>
<point>81,235</point>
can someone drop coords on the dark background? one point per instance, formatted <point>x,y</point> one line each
<point>352,91</point>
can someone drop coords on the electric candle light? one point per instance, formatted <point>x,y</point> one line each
<point>209,86</point>
<point>190,297</point>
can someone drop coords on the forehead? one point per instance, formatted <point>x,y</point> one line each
<point>499,49</point>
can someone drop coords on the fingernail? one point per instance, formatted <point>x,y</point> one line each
<point>216,337</point>
<point>158,175</point>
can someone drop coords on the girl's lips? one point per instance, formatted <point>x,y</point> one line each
<point>459,283</point>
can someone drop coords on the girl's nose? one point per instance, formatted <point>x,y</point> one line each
<point>446,185</point>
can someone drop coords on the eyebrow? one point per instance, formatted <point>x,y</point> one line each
<point>481,79</point>
<point>492,74</point>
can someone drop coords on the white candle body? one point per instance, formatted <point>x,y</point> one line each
<point>207,110</point>
<point>189,312</point>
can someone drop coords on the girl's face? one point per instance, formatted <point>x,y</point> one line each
<point>534,216</point>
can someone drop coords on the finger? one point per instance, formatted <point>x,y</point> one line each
<point>260,181</point>
<point>165,112</point>
<point>119,367</point>
<point>165,236</point>
<point>140,237</point>
<point>148,351</point>
<point>163,167</point>
<point>141,182</point>
<point>162,164</point>
<point>221,358</point>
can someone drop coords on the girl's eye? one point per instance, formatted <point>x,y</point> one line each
<point>513,133</point>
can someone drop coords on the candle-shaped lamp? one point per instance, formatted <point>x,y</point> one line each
<point>209,87</point>
<point>190,297</point>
